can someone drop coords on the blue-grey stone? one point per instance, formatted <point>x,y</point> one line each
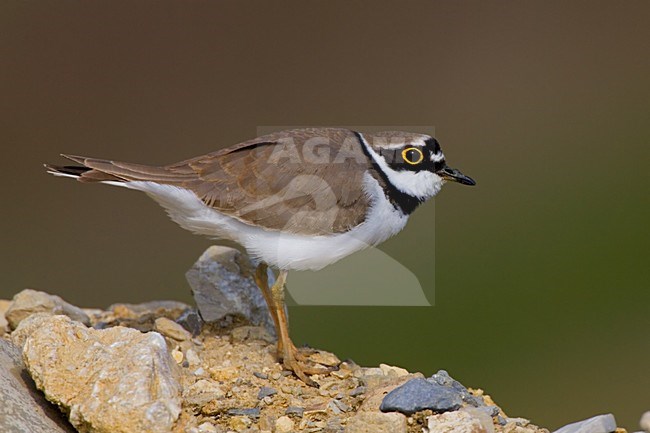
<point>421,394</point>
<point>442,378</point>
<point>265,391</point>
<point>295,410</point>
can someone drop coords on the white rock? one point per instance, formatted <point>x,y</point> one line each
<point>377,422</point>
<point>390,370</point>
<point>284,424</point>
<point>461,421</point>
<point>109,381</point>
<point>645,421</point>
<point>598,424</point>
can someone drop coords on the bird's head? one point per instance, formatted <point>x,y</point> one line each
<point>413,163</point>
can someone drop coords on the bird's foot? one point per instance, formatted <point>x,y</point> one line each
<point>301,363</point>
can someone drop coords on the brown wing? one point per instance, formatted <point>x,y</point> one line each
<point>306,181</point>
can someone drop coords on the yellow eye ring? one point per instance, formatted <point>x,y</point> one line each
<point>412,162</point>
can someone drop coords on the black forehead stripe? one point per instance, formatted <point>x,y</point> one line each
<point>402,201</point>
<point>433,143</point>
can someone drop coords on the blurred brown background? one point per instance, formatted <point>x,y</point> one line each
<point>541,271</point>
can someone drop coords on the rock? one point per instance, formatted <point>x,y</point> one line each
<point>644,423</point>
<point>30,301</point>
<point>170,309</point>
<point>87,371</point>
<point>284,424</point>
<point>377,422</point>
<point>442,378</point>
<point>171,329</point>
<point>191,321</point>
<point>597,424</point>
<point>24,408</point>
<point>390,370</point>
<point>458,422</point>
<point>27,327</point>
<point>142,316</point>
<point>253,412</point>
<point>265,391</point>
<point>295,411</point>
<point>420,394</point>
<point>4,325</point>
<point>223,287</point>
<point>202,392</point>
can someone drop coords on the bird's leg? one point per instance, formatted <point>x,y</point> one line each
<point>262,281</point>
<point>290,356</point>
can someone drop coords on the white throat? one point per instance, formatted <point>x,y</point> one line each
<point>422,184</point>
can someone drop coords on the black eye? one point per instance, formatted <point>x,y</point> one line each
<point>412,155</point>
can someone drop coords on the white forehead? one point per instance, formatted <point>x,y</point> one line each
<point>397,139</point>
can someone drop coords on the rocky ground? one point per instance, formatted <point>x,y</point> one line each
<point>165,367</point>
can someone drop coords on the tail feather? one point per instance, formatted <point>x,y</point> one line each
<point>102,170</point>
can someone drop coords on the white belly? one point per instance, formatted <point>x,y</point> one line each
<point>283,250</point>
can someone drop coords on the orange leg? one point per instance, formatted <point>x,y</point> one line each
<point>290,356</point>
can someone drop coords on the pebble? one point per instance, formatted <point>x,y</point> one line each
<point>206,427</point>
<point>597,424</point>
<point>266,391</point>
<point>178,356</point>
<point>253,412</point>
<point>192,358</point>
<point>342,406</point>
<point>239,423</point>
<point>262,376</point>
<point>295,410</point>
<point>420,394</point>
<point>358,391</point>
<point>171,329</point>
<point>191,321</point>
<point>284,424</point>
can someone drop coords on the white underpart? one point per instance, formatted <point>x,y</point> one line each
<point>284,250</point>
<point>421,184</point>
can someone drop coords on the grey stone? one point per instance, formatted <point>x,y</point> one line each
<point>266,391</point>
<point>113,380</point>
<point>30,302</point>
<point>420,394</point>
<point>24,408</point>
<point>444,379</point>
<point>191,321</point>
<point>253,412</point>
<point>597,424</point>
<point>295,410</point>
<point>224,288</point>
